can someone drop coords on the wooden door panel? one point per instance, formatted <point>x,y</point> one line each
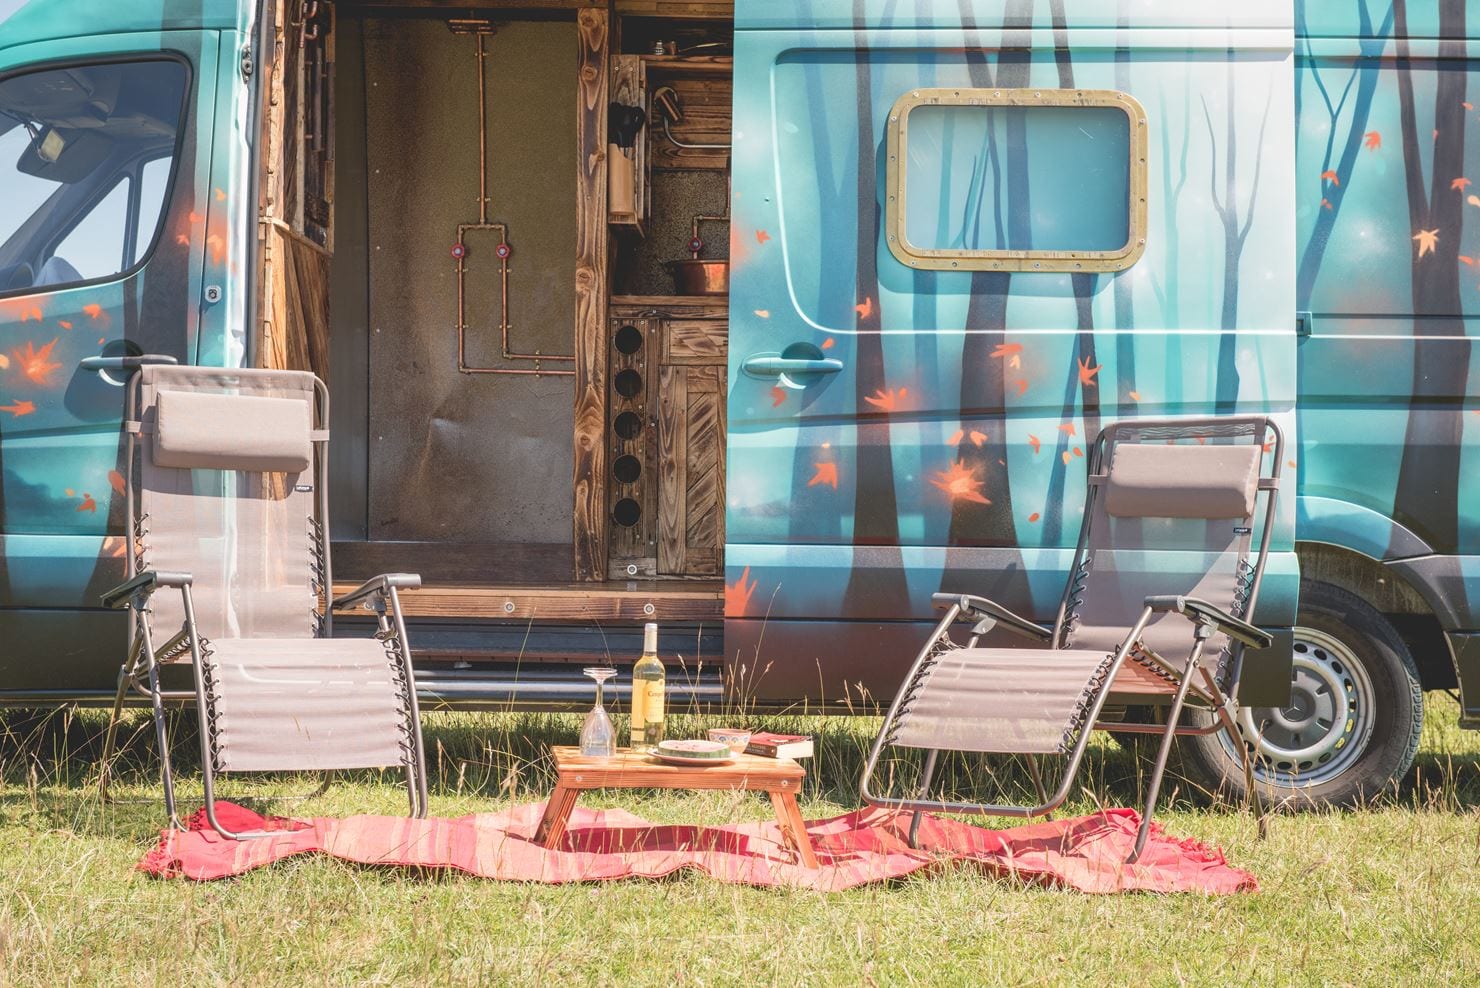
<point>691,454</point>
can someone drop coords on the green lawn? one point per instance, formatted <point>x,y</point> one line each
<point>1381,896</point>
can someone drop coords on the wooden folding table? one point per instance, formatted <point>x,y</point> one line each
<point>781,778</point>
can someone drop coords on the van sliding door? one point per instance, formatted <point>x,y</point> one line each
<point>966,237</point>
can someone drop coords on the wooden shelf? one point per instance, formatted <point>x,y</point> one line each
<point>670,600</point>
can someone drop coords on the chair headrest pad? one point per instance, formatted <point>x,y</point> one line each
<point>203,431</point>
<point>1156,481</point>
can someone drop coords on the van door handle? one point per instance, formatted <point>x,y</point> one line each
<point>100,362</point>
<point>774,365</point>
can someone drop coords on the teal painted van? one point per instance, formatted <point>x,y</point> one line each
<point>963,236</point>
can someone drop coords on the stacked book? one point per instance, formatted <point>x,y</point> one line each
<point>770,745</point>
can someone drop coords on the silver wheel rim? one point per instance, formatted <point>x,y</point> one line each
<point>1327,724</point>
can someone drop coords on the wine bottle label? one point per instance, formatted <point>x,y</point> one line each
<point>652,708</point>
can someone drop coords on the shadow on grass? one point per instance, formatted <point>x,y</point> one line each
<point>49,766</point>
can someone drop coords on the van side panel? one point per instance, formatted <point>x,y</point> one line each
<point>948,452</point>
<point>1388,210</point>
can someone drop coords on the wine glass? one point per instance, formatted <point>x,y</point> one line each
<point>598,737</point>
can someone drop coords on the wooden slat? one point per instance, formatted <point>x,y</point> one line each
<point>629,87</point>
<point>590,520</point>
<point>705,102</point>
<point>704,493</point>
<point>673,306</point>
<point>695,341</point>
<point>691,602</point>
<point>682,9</point>
<point>629,769</point>
<point>673,403</point>
<point>635,546</point>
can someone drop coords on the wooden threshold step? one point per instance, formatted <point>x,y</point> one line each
<point>676,601</point>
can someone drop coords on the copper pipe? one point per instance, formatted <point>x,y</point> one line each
<point>484,224</point>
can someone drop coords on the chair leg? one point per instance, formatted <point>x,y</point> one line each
<point>1251,788</point>
<point>926,775</point>
<point>1153,787</point>
<point>110,737</point>
<point>1032,761</point>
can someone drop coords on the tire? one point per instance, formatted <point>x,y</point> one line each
<point>1346,655</point>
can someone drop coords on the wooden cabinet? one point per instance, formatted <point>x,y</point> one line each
<point>679,490</point>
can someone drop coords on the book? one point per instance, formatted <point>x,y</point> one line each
<point>770,745</point>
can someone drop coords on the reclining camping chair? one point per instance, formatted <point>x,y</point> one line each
<point>1155,612</point>
<point>229,561</point>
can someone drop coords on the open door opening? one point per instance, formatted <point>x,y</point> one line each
<point>528,395</point>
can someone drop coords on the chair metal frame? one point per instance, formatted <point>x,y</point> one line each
<point>140,672</point>
<point>1196,682</point>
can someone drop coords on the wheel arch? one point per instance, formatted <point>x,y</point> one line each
<point>1412,606</point>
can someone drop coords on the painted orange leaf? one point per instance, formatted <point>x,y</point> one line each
<point>88,504</point>
<point>1034,516</point>
<point>1427,241</point>
<point>19,408</point>
<point>827,473</point>
<point>182,240</point>
<point>1460,183</point>
<point>31,312</point>
<point>64,324</point>
<point>1035,442</point>
<point>1467,105</point>
<point>218,248</point>
<point>1473,200</point>
<point>761,236</point>
<point>1067,428</point>
<point>865,308</point>
<point>888,399</point>
<point>69,492</point>
<point>1330,176</point>
<point>1087,373</point>
<point>195,217</point>
<point>1467,260</point>
<point>37,365</point>
<point>115,480</point>
<point>978,438</point>
<point>1022,385</point>
<point>829,343</point>
<point>763,313</point>
<point>778,396</point>
<point>737,594</point>
<point>93,310</point>
<point>1135,395</point>
<point>220,196</point>
<point>955,437</point>
<point>1326,204</point>
<point>1372,139</point>
<point>1012,351</point>
<point>1066,456</point>
<point>1078,451</point>
<point>4,361</point>
<point>960,483</point>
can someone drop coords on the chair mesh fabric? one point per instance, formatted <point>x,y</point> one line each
<point>246,537</point>
<point>305,704</point>
<point>1001,700</point>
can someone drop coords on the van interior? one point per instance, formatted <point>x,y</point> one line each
<point>477,216</point>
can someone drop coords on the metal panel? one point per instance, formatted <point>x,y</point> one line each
<point>454,457</point>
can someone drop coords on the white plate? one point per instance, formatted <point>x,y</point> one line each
<point>681,760</point>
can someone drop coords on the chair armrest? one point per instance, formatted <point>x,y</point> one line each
<point>147,581</point>
<point>1202,612</point>
<point>381,584</point>
<point>982,608</point>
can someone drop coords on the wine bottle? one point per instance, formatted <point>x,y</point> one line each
<point>648,689</point>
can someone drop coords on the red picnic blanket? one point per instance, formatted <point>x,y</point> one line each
<point>1086,853</point>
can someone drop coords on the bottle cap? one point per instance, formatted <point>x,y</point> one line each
<point>650,639</point>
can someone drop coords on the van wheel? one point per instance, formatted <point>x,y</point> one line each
<point>1351,729</point>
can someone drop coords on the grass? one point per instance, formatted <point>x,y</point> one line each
<point>1379,896</point>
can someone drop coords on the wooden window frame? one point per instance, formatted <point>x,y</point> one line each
<point>933,259</point>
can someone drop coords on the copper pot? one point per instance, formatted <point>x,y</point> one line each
<point>699,277</point>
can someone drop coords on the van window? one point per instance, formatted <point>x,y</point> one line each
<point>94,248</point>
<point>85,158</point>
<point>956,156</point>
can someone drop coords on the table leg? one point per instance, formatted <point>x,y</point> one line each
<point>557,814</point>
<point>793,830</point>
